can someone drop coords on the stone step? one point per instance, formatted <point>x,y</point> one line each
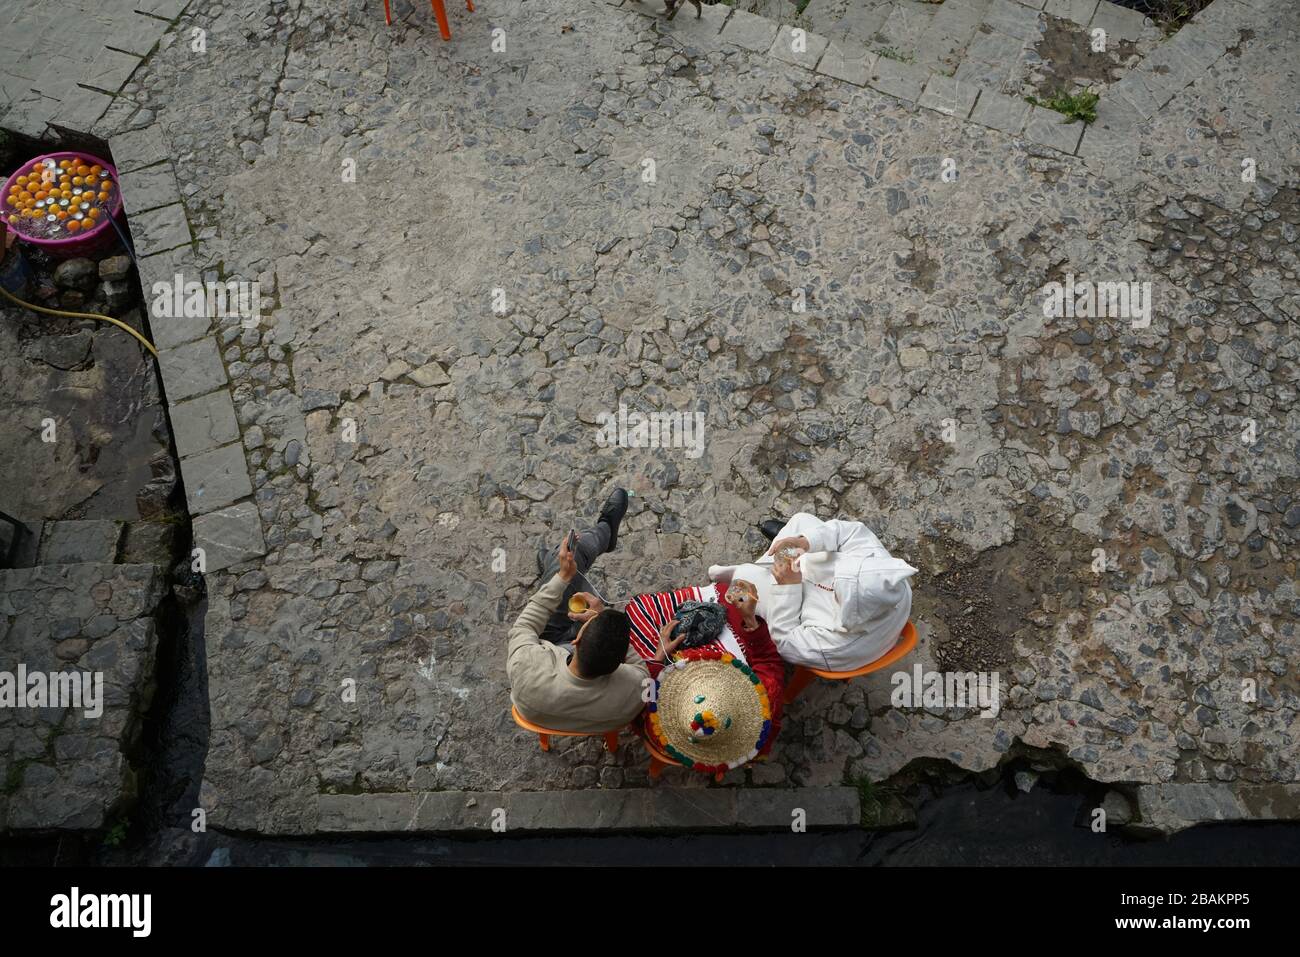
<point>633,809</point>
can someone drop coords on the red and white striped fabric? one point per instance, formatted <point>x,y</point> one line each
<point>650,611</point>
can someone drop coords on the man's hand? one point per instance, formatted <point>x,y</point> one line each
<point>568,566</point>
<point>667,646</point>
<point>786,572</point>
<point>594,607</point>
<point>796,541</point>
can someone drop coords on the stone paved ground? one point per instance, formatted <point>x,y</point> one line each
<point>522,171</point>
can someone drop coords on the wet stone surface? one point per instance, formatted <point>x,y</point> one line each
<point>398,429</point>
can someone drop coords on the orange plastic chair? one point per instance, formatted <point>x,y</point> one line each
<point>439,11</point>
<point>544,735</point>
<point>799,680</point>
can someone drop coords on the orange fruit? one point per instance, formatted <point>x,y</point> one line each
<point>73,225</point>
<point>96,169</point>
<point>103,197</point>
<point>61,213</point>
<point>94,212</point>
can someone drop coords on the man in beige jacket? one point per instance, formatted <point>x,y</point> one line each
<point>597,683</point>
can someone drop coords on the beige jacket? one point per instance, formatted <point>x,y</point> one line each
<point>546,692</point>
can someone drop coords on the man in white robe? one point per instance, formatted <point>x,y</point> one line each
<point>840,604</point>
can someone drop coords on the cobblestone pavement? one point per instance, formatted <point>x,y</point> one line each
<point>516,178</point>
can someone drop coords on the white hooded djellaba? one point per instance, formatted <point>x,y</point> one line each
<point>851,606</point>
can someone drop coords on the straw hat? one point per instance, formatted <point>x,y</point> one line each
<point>710,712</point>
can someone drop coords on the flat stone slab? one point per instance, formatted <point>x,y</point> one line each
<point>191,368</point>
<point>215,479</point>
<point>1014,19</point>
<point>63,765</point>
<point>657,809</point>
<point>949,96</point>
<point>1001,112</point>
<point>847,61</point>
<point>149,188</point>
<point>201,424</point>
<point>686,25</point>
<point>229,536</point>
<point>749,31</point>
<point>1047,127</point>
<point>1170,808</point>
<point>137,149</point>
<point>82,541</point>
<point>1077,11</point>
<point>799,48</point>
<point>160,230</point>
<point>902,80</point>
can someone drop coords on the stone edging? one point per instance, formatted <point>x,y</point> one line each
<point>634,809</point>
<point>1177,63</point>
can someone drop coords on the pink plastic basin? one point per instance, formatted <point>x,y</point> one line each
<point>99,237</point>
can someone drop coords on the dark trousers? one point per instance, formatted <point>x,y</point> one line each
<point>591,544</point>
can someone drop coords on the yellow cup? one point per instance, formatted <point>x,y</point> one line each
<point>577,604</point>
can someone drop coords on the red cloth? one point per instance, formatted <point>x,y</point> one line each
<point>650,611</point>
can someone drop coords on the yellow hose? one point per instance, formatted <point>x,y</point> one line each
<point>82,315</point>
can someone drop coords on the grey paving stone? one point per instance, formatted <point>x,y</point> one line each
<point>159,230</point>
<point>109,70</point>
<point>783,47</point>
<point>204,423</point>
<point>30,115</point>
<point>364,813</point>
<point>902,80</point>
<point>1033,4</point>
<point>999,111</point>
<point>749,31</point>
<point>987,76</point>
<point>782,807</point>
<point>949,96</point>
<point>135,34</point>
<point>996,48</point>
<point>158,277</point>
<point>959,18</point>
<point>630,809</point>
<point>1077,11</point>
<point>149,188</point>
<point>1120,23</point>
<point>190,369</point>
<point>1133,90</point>
<point>77,542</point>
<point>170,9</point>
<point>229,536</point>
<point>1013,19</point>
<point>694,808</point>
<point>137,149</point>
<point>80,112</point>
<point>1046,128</point>
<point>705,29</point>
<point>215,479</point>
<point>1102,147</point>
<point>847,60</point>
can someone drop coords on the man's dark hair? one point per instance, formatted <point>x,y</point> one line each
<point>604,643</point>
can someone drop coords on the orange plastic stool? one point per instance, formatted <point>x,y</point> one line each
<point>799,680</point>
<point>544,734</point>
<point>439,12</point>
<point>659,761</point>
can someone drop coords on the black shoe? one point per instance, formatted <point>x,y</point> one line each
<point>612,512</point>
<point>771,528</point>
